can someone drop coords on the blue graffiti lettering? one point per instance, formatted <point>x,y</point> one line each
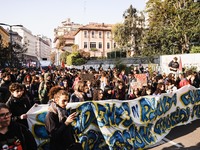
<point>93,139</point>
<point>111,115</point>
<point>196,95</point>
<point>165,123</point>
<point>135,111</point>
<point>143,136</point>
<point>85,118</point>
<point>188,98</point>
<point>149,113</point>
<point>147,110</point>
<point>123,139</point>
<point>165,104</point>
<point>196,111</point>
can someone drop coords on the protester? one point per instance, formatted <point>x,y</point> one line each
<point>18,103</point>
<point>134,94</point>
<point>44,87</point>
<point>160,89</point>
<point>89,90</point>
<point>170,86</point>
<point>52,92</point>
<point>195,81</point>
<point>14,136</point>
<point>58,124</point>
<point>104,80</point>
<point>4,84</point>
<point>98,95</point>
<point>185,79</point>
<point>108,93</point>
<point>78,95</point>
<point>120,91</point>
<point>34,86</point>
<point>173,65</point>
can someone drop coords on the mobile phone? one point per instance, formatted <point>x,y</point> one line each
<point>72,111</point>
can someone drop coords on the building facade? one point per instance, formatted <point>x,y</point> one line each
<point>4,37</point>
<point>43,47</point>
<point>38,47</point>
<point>29,41</point>
<point>66,27</point>
<point>95,38</point>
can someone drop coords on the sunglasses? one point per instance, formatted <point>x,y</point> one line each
<point>3,115</point>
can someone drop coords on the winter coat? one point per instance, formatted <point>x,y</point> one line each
<point>17,136</point>
<point>61,135</point>
<point>19,106</point>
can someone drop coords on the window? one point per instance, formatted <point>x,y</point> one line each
<point>114,45</point>
<point>92,44</point>
<point>108,45</point>
<point>100,36</point>
<point>100,45</point>
<point>85,34</point>
<point>108,34</point>
<point>92,34</point>
<point>85,44</point>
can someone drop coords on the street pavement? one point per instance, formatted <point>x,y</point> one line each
<point>185,137</point>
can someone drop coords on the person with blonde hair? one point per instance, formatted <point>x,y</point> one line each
<point>78,95</point>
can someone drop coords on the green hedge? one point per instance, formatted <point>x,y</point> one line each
<point>75,59</point>
<point>116,54</point>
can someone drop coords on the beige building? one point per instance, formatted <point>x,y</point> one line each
<point>66,27</point>
<point>4,36</point>
<point>95,38</point>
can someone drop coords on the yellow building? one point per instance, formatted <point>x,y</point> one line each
<point>4,36</point>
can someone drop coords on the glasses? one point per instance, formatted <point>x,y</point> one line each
<point>3,115</point>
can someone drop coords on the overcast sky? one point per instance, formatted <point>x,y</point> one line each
<point>43,16</point>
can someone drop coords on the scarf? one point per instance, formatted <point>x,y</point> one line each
<point>61,112</point>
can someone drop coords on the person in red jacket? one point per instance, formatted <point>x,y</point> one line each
<point>185,79</point>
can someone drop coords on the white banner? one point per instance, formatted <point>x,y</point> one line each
<point>131,124</point>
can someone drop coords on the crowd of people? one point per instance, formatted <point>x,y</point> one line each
<point>21,89</point>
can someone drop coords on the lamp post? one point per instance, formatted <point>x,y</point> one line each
<point>10,33</point>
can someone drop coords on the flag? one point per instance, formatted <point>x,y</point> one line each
<point>63,64</point>
<point>180,65</point>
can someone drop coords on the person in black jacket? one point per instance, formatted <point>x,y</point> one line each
<point>174,65</point>
<point>58,123</point>
<point>14,136</point>
<point>18,103</point>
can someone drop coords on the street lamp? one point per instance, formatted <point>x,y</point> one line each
<point>10,33</point>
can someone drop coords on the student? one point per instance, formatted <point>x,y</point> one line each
<point>58,124</point>
<point>78,95</point>
<point>18,103</point>
<point>98,95</point>
<point>13,135</point>
<point>174,65</point>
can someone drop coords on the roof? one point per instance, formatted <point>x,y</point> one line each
<point>96,26</point>
<point>70,35</point>
<point>67,35</point>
